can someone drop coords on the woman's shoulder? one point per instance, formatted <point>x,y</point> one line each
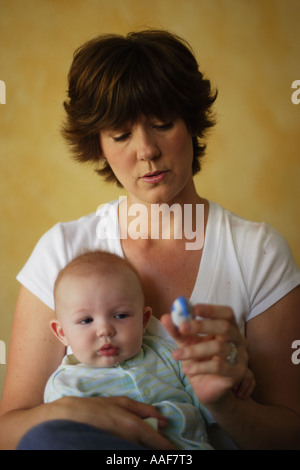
<point>88,224</point>
<point>246,234</point>
<point>256,245</point>
<point>261,254</point>
<point>85,231</point>
<point>63,242</point>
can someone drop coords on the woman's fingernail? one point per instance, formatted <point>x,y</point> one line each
<point>185,327</point>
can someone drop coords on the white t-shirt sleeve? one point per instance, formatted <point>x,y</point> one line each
<point>245,265</point>
<point>268,267</point>
<point>64,242</point>
<point>47,259</point>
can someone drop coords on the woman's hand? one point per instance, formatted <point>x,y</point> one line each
<point>120,416</point>
<point>245,388</point>
<point>205,358</point>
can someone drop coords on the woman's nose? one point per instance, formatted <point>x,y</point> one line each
<point>147,148</point>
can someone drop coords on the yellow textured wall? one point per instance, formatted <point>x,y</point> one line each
<point>249,48</point>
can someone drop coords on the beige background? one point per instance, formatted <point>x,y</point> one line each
<point>249,48</point>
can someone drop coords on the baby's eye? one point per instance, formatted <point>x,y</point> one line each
<point>86,321</point>
<point>120,316</point>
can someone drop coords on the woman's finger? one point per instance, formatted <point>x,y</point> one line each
<point>222,328</point>
<point>203,350</point>
<point>201,330</point>
<point>166,320</point>
<point>214,367</point>
<point>140,409</point>
<point>246,387</point>
<point>214,311</point>
<point>210,351</point>
<point>125,418</point>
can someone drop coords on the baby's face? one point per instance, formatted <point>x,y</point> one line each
<point>102,317</point>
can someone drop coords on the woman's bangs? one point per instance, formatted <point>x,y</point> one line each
<point>138,93</point>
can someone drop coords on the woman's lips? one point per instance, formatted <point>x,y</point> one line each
<point>154,177</point>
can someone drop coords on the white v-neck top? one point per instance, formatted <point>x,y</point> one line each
<point>245,265</point>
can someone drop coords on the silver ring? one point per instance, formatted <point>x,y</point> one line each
<point>232,356</point>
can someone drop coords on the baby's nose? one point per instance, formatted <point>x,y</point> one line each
<point>105,329</point>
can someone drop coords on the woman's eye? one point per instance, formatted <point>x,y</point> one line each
<point>165,126</point>
<point>122,137</point>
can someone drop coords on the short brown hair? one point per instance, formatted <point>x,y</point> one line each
<point>114,79</point>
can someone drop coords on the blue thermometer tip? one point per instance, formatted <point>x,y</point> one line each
<point>182,310</point>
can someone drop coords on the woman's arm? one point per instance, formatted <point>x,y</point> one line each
<point>34,354</point>
<point>272,419</point>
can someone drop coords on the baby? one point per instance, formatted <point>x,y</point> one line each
<point>101,315</point>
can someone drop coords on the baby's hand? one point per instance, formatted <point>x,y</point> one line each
<point>245,388</point>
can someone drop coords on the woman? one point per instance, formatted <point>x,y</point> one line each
<point>139,108</point>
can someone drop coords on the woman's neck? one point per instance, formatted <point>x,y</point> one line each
<point>164,221</point>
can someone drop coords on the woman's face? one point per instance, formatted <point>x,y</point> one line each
<point>152,159</point>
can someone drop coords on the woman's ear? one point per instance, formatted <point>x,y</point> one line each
<point>147,315</point>
<point>58,331</point>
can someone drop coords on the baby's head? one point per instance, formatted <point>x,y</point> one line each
<point>99,303</point>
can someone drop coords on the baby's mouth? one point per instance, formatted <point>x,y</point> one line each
<point>109,350</point>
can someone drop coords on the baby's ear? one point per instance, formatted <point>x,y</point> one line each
<point>147,315</point>
<point>58,331</point>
